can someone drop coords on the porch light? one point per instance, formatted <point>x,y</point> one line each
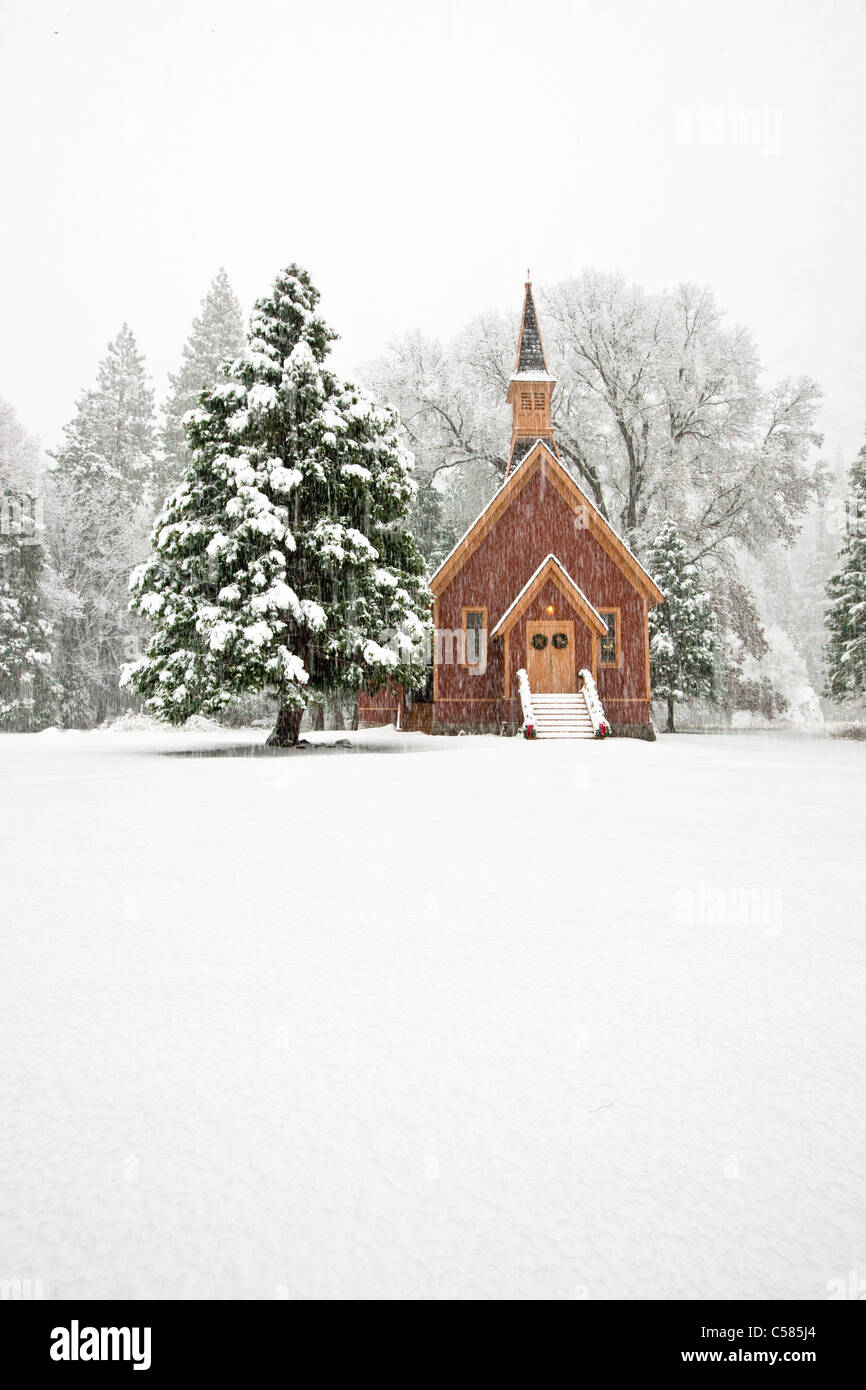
<point>550,610</point>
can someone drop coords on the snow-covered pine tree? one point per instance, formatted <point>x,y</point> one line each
<point>27,688</point>
<point>435,535</point>
<point>217,336</point>
<point>283,562</point>
<point>740,637</point>
<point>98,516</point>
<point>111,437</point>
<point>682,629</point>
<point>846,591</point>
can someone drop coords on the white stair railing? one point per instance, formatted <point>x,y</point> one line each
<point>594,705</point>
<point>526,704</point>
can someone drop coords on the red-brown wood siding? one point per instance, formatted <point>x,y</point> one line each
<point>538,523</point>
<point>379,707</point>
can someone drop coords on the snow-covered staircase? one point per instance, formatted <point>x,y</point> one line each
<point>562,716</point>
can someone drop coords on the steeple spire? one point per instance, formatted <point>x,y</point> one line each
<point>530,348</point>
<point>531,387</point>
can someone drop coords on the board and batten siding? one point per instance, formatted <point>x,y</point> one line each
<point>539,522</point>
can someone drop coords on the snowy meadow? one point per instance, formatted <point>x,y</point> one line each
<point>432,1018</point>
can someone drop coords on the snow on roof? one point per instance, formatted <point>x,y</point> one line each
<point>471,527</point>
<point>532,376</point>
<point>469,530</point>
<point>453,551</point>
<point>531,580</point>
<point>628,550</point>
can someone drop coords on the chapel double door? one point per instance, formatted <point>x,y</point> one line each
<point>550,657</point>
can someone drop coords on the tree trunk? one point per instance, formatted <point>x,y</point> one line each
<point>338,710</point>
<point>287,728</point>
<point>671,729</point>
<point>318,715</point>
<point>355,714</point>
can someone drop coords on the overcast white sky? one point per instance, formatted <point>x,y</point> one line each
<point>416,160</point>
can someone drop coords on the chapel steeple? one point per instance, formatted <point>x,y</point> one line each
<point>530,388</point>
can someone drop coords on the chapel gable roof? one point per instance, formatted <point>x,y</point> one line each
<point>541,458</point>
<point>550,568</point>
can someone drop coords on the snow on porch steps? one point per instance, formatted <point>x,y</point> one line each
<point>562,716</point>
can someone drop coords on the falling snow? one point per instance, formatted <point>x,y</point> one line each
<point>413,1024</point>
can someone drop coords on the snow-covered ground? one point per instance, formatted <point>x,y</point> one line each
<point>485,1019</point>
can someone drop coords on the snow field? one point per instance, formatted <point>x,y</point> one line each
<point>481,1019</point>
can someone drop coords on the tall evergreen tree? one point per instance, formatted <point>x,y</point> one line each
<point>284,561</point>
<point>435,535</point>
<point>846,591</point>
<point>682,629</point>
<point>217,336</point>
<point>99,508</point>
<point>111,438</point>
<point>27,687</point>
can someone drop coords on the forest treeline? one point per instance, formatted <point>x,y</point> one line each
<point>712,475</point>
